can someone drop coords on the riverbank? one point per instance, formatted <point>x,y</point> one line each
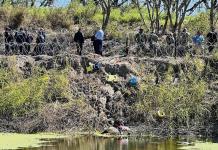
<point>56,93</point>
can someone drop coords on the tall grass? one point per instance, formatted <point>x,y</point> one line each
<point>184,103</point>
<point>20,96</point>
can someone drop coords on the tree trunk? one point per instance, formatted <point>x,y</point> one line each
<point>157,8</point>
<point>32,3</point>
<point>165,24</point>
<point>3,2</point>
<point>106,17</point>
<point>212,14</point>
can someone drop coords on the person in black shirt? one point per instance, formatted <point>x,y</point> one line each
<point>20,38</point>
<point>9,40</point>
<point>79,39</point>
<point>40,41</point>
<point>212,38</point>
<point>28,41</point>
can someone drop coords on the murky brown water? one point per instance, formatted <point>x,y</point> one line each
<point>133,143</point>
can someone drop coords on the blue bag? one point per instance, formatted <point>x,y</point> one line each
<point>97,66</point>
<point>133,81</point>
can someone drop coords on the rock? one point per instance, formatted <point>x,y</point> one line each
<point>107,90</point>
<point>113,131</point>
<point>44,61</point>
<point>121,69</point>
<point>103,101</point>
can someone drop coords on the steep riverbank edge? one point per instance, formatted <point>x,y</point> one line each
<point>122,66</point>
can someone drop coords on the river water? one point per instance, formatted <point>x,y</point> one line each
<point>48,142</point>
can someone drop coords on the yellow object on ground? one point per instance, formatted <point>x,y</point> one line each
<point>112,78</point>
<point>161,114</point>
<point>90,68</point>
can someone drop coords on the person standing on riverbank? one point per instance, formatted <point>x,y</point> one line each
<point>79,39</point>
<point>141,40</point>
<point>198,40</point>
<point>9,40</point>
<point>98,41</point>
<point>212,39</point>
<point>20,39</point>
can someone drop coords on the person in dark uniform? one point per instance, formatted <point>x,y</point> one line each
<point>20,38</point>
<point>9,40</point>
<point>79,39</point>
<point>40,41</point>
<point>212,38</point>
<point>141,40</point>
<point>28,41</point>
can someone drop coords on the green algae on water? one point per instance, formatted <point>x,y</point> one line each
<point>201,146</point>
<point>16,141</point>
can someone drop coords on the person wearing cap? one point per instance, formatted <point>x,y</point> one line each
<point>79,39</point>
<point>98,41</point>
<point>212,39</point>
<point>141,40</point>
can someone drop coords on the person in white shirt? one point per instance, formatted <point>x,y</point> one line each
<point>98,42</point>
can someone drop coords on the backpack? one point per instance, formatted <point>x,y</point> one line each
<point>133,81</point>
<point>97,66</point>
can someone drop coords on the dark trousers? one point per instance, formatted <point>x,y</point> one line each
<point>98,45</point>
<point>211,47</point>
<point>79,47</point>
<point>27,48</point>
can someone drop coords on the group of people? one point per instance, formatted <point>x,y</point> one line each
<point>177,43</point>
<point>97,40</point>
<point>20,41</point>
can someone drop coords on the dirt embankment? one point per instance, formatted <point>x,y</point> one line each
<point>105,97</point>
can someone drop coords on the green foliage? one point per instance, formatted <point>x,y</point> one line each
<point>58,19</point>
<point>16,18</point>
<point>38,16</point>
<point>83,12</point>
<point>183,101</point>
<point>19,96</point>
<point>215,56</point>
<point>130,16</point>
<point>198,22</point>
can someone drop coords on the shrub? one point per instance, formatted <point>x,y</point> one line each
<point>198,22</point>
<point>16,19</point>
<point>21,96</point>
<point>58,18</point>
<point>183,102</point>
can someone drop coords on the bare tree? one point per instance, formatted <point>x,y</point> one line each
<point>137,4</point>
<point>179,8</point>
<point>153,7</point>
<point>106,6</point>
<point>45,3</point>
<point>212,6</point>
